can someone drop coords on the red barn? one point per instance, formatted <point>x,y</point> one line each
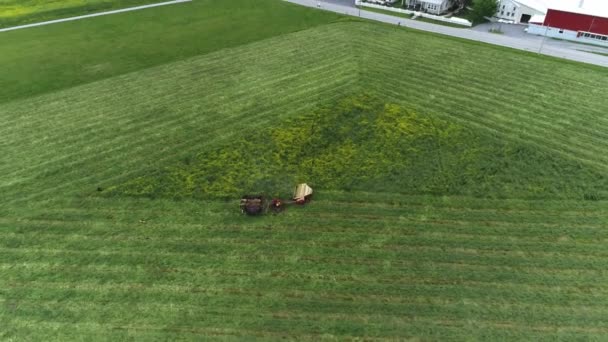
<point>575,24</point>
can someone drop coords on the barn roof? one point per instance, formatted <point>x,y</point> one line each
<point>597,8</point>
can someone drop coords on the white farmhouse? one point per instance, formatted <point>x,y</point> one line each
<point>431,6</point>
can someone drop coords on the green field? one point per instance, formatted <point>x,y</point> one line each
<point>461,189</point>
<point>58,56</point>
<point>20,12</point>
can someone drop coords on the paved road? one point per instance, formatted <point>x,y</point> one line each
<point>539,46</point>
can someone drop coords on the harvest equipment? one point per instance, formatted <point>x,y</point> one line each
<point>252,205</point>
<point>256,204</point>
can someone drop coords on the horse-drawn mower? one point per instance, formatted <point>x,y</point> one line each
<point>258,205</point>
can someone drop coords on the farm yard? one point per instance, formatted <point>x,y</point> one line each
<point>460,188</point>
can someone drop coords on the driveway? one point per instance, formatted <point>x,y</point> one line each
<point>533,44</point>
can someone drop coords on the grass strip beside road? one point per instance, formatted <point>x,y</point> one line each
<point>22,12</point>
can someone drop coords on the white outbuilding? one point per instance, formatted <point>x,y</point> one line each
<point>520,11</point>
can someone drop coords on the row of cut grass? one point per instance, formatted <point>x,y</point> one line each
<point>385,265</point>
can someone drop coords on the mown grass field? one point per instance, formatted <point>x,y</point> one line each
<point>513,249</point>
<point>54,57</point>
<point>20,12</point>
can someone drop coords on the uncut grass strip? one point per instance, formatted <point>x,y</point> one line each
<point>499,125</point>
<point>485,56</point>
<point>166,72</point>
<point>453,205</point>
<point>449,272</point>
<point>464,211</point>
<point>572,212</point>
<point>459,201</point>
<point>324,218</point>
<point>557,104</point>
<point>407,223</point>
<point>113,274</point>
<point>239,315</point>
<point>346,288</point>
<point>390,49</point>
<point>68,331</point>
<point>173,293</point>
<point>487,96</point>
<point>492,230</point>
<point>330,259</point>
<point>308,310</point>
<point>588,240</point>
<point>283,39</point>
<point>360,253</point>
<point>417,328</point>
<point>560,295</point>
<point>519,91</point>
<point>481,238</point>
<point>390,215</point>
<point>437,329</point>
<point>131,162</point>
<point>218,318</point>
<point>90,332</point>
<point>93,176</point>
<point>459,207</point>
<point>590,237</point>
<point>517,124</point>
<point>104,83</point>
<point>178,119</point>
<point>430,211</point>
<point>127,230</point>
<point>108,207</point>
<point>116,205</point>
<point>527,115</point>
<point>506,132</point>
<point>85,314</point>
<point>167,294</point>
<point>512,220</point>
<point>305,331</point>
<point>178,146</point>
<point>367,246</point>
<point>371,317</point>
<point>393,242</point>
<point>467,76</point>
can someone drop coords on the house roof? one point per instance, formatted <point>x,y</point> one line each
<point>539,5</point>
<point>537,19</point>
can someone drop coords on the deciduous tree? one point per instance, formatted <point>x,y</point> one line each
<point>482,9</point>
